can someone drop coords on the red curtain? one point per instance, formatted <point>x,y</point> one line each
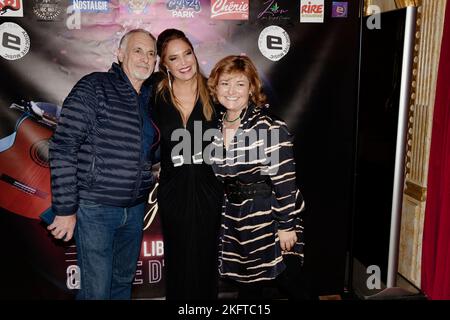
<point>436,237</point>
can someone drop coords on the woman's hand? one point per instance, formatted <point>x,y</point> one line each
<point>287,239</point>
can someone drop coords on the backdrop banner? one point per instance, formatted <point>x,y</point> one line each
<point>306,52</point>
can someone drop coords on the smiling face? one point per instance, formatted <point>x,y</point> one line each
<point>180,60</point>
<point>233,91</point>
<point>138,57</point>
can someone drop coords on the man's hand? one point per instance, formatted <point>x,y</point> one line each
<point>63,227</point>
<point>287,239</point>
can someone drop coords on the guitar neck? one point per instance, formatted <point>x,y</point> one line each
<point>23,186</point>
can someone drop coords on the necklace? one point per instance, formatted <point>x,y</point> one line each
<point>231,121</point>
<point>225,119</point>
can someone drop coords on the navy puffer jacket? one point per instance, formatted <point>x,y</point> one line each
<point>96,152</point>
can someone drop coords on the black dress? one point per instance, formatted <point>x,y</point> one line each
<point>189,200</point>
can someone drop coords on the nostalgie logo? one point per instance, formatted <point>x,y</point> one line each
<point>91,5</point>
<point>184,8</point>
<point>274,43</point>
<point>272,11</point>
<point>11,8</point>
<point>339,9</point>
<point>229,9</point>
<point>136,6</point>
<point>312,11</point>
<point>14,41</point>
<point>47,10</point>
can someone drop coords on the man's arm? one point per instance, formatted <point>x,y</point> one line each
<point>77,118</point>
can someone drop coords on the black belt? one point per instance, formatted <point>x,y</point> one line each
<point>237,192</point>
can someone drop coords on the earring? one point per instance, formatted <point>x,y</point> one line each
<point>170,80</point>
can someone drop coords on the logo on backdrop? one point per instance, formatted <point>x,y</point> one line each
<point>184,8</point>
<point>47,10</point>
<point>14,41</point>
<point>229,10</point>
<point>312,11</point>
<point>136,6</point>
<point>339,10</point>
<point>98,6</point>
<point>11,8</point>
<point>274,43</point>
<point>273,11</point>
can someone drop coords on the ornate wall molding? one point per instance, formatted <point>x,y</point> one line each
<point>389,5</point>
<point>430,22</point>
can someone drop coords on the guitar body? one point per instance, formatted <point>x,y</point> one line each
<point>24,170</point>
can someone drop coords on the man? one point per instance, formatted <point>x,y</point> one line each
<point>100,159</point>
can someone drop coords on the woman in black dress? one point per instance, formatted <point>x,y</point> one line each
<point>189,195</point>
<point>261,238</point>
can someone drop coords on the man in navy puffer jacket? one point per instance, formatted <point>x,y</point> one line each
<point>101,159</point>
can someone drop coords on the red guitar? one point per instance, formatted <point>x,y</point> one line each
<point>24,167</point>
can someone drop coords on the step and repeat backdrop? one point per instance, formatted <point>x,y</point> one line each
<point>307,55</point>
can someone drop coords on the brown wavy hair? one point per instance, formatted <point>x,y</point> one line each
<point>163,87</point>
<point>236,65</point>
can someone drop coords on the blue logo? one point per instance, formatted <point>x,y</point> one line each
<point>339,10</point>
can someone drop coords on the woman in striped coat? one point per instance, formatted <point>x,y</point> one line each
<point>253,156</point>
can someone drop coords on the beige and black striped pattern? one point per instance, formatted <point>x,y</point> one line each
<point>249,243</point>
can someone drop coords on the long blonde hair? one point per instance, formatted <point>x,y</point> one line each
<point>165,86</point>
